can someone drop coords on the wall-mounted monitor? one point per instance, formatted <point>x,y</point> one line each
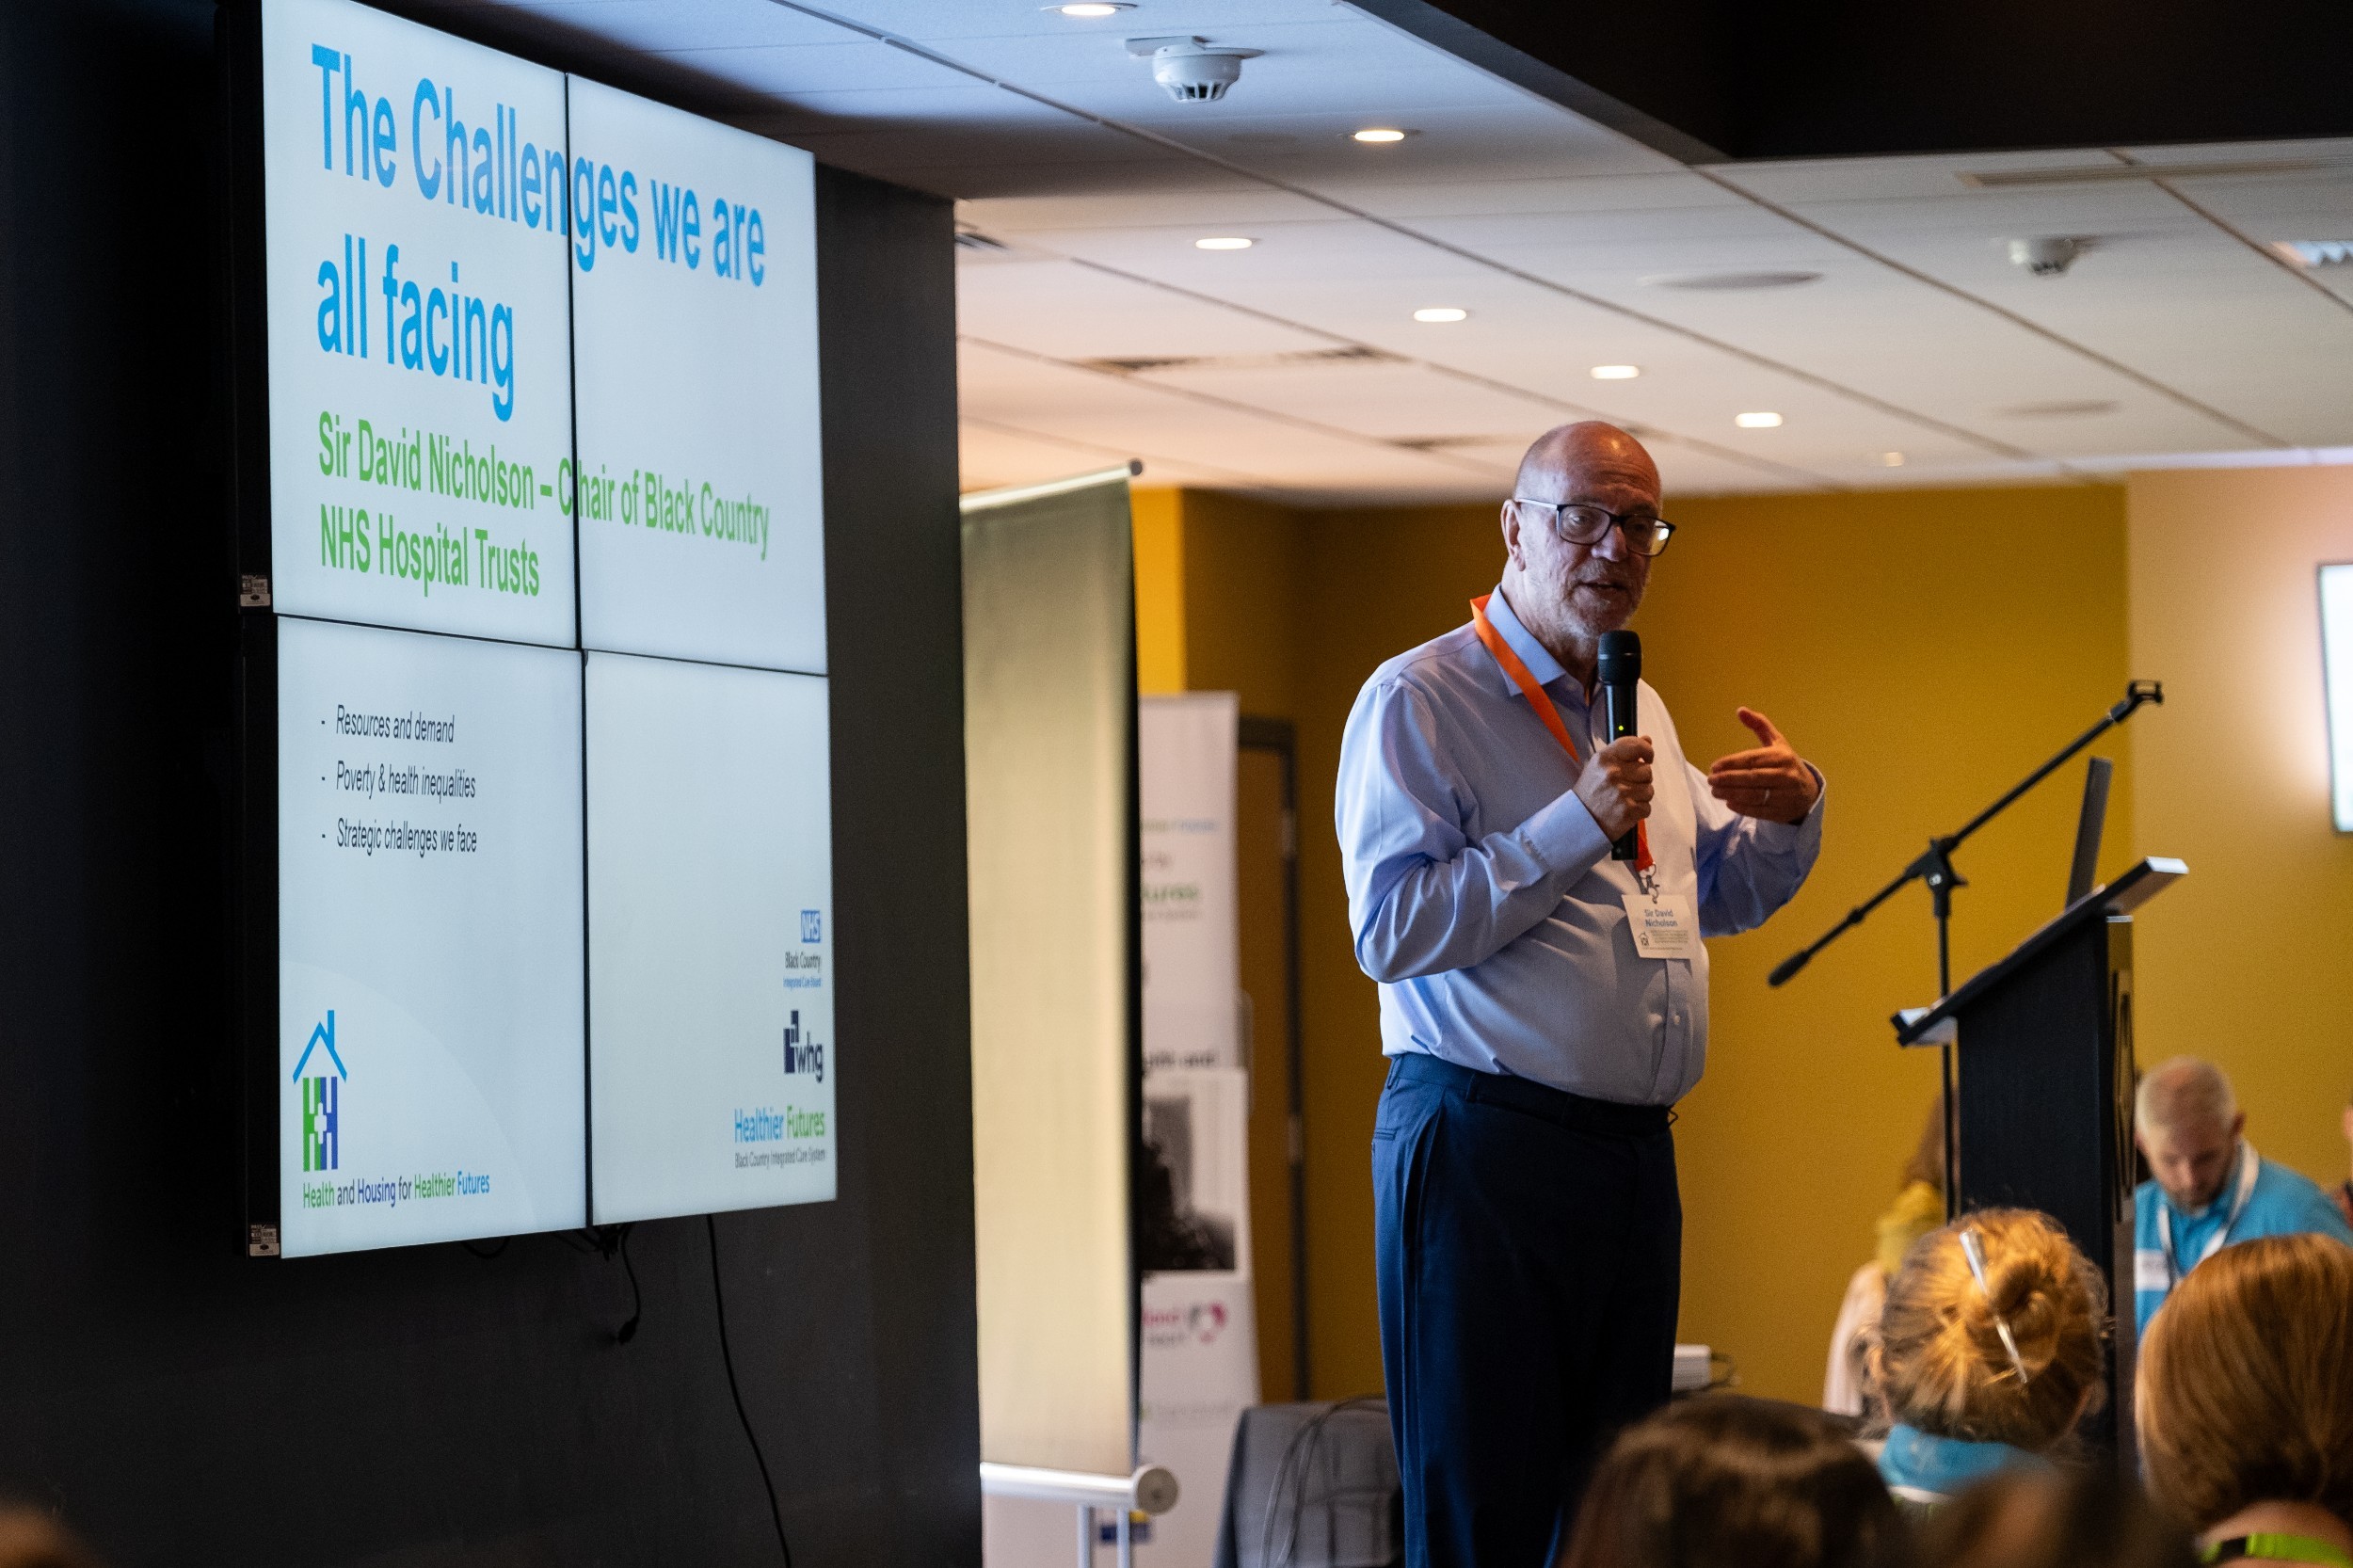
<point>538,844</point>
<point>420,347</point>
<point>2336,655</point>
<point>695,312</point>
<point>429,905</point>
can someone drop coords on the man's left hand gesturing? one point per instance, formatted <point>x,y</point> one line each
<point>1772,781</point>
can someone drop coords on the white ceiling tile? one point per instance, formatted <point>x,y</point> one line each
<point>1541,224</point>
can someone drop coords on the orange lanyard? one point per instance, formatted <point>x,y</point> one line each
<point>1525,679</point>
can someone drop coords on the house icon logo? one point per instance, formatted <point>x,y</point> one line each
<point>322,1100</point>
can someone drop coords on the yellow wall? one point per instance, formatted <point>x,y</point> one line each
<point>2246,961</point>
<point>1926,649</point>
<point>1160,590</point>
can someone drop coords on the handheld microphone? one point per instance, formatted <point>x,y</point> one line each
<point>1619,667</point>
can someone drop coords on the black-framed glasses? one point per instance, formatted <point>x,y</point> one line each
<point>1580,522</point>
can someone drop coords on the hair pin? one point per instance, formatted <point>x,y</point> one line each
<point>1973,1250</point>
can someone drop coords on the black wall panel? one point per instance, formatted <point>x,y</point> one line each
<point>181,1405</point>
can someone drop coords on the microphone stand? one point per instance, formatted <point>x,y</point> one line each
<point>1935,868</point>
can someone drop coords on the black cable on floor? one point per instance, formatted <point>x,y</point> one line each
<point>719,1300</point>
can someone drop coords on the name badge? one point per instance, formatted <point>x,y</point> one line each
<point>1664,925</point>
<point>2149,1272</point>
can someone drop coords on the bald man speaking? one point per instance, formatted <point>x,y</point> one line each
<point>1529,1231</point>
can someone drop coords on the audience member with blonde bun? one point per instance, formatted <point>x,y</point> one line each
<point>2244,1402</point>
<point>1988,1351</point>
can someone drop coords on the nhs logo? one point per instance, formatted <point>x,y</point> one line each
<point>812,925</point>
<point>802,1056</point>
<point>322,1100</point>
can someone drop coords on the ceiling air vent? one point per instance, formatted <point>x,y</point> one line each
<point>1728,281</point>
<point>1138,366</point>
<point>1448,444</point>
<point>1351,354</point>
<point>2062,407</point>
<point>2104,174</point>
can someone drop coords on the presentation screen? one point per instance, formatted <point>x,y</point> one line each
<point>430,908</point>
<point>539,836</point>
<point>695,304</point>
<point>420,349</point>
<point>711,1077</point>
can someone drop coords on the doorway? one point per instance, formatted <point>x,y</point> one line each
<point>1266,850</point>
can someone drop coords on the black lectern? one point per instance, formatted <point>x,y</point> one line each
<point>2045,1091</point>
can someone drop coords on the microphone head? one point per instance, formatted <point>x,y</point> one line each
<point>1621,660</point>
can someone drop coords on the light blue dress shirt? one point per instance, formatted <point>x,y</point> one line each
<point>1481,894</point>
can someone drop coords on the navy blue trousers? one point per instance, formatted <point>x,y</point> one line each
<point>1529,1251</point>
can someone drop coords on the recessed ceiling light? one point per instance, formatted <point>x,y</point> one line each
<point>1890,459</point>
<point>1729,280</point>
<point>1224,242</point>
<point>1440,312</point>
<point>1616,372</point>
<point>1093,8</point>
<point>1379,133</point>
<point>1756,421</point>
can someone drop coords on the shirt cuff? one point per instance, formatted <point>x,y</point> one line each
<point>1805,834</point>
<point>1563,838</point>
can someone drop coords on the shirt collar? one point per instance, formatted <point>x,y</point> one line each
<point>1516,637</point>
<point>1946,1465</point>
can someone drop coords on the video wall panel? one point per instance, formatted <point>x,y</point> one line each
<point>712,1082</point>
<point>420,346</point>
<point>695,295</point>
<point>538,821</point>
<point>430,892</point>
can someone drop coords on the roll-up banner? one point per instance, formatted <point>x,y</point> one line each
<point>1200,1343</point>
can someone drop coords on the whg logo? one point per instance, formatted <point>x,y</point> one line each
<point>322,1101</point>
<point>803,1056</point>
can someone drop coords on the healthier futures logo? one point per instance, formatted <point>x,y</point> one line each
<point>322,1101</point>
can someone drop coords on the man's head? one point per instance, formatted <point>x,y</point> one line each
<point>1569,594</point>
<point>2188,1124</point>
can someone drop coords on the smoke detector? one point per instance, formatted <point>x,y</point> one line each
<point>1192,70</point>
<point>2316,252</point>
<point>2047,255</point>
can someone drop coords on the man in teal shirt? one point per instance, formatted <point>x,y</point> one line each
<point>2211,1187</point>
